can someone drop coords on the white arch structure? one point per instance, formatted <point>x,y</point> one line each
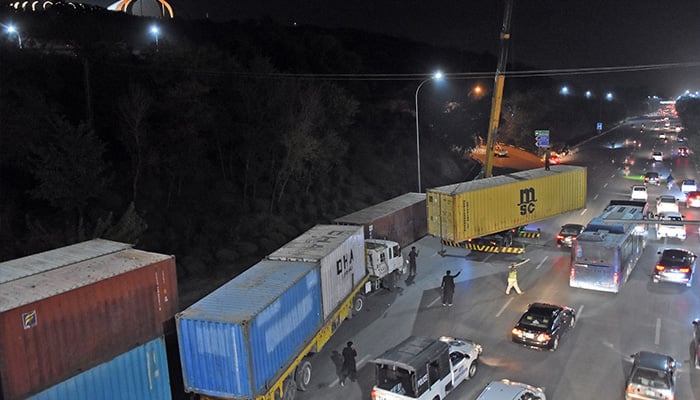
<point>123,5</point>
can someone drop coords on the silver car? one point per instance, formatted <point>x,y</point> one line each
<point>509,390</point>
<point>653,377</point>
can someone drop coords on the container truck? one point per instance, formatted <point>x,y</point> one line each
<point>252,338</point>
<point>401,219</point>
<point>468,210</point>
<point>424,368</point>
<point>138,374</point>
<point>70,309</point>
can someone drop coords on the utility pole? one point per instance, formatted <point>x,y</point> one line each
<point>499,81</point>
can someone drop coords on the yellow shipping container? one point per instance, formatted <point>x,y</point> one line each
<point>482,207</point>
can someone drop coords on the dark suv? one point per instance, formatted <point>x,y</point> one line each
<point>652,178</point>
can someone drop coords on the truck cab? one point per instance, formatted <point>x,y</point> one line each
<point>424,368</point>
<point>383,261</point>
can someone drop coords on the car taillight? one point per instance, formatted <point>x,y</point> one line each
<point>616,278</point>
<point>543,337</point>
<point>374,394</point>
<point>660,267</point>
<point>560,236</point>
<point>685,270</point>
<point>517,332</point>
<point>572,273</point>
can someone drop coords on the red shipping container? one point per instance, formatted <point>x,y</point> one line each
<point>401,219</point>
<point>67,317</point>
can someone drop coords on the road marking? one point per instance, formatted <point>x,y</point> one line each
<point>504,307</point>
<point>579,312</point>
<point>541,262</point>
<point>433,302</point>
<point>584,211</point>
<point>595,197</point>
<point>363,360</point>
<point>605,185</point>
<point>658,331</point>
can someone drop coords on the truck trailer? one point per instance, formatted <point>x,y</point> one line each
<point>252,338</point>
<point>468,210</point>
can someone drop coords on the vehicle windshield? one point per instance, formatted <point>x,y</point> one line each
<point>676,256</point>
<point>592,254</point>
<point>536,321</point>
<point>651,378</point>
<point>395,380</point>
<point>570,230</point>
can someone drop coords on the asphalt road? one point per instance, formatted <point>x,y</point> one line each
<point>593,359</point>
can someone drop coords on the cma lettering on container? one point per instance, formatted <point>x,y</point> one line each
<point>344,264</point>
<point>527,201</point>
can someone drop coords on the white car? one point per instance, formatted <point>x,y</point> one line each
<point>670,231</point>
<point>657,156</point>
<point>688,185</point>
<point>639,192</point>
<point>508,390</point>
<point>499,151</point>
<point>666,203</point>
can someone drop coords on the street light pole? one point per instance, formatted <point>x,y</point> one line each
<point>438,75</point>
<point>10,30</point>
<point>155,31</point>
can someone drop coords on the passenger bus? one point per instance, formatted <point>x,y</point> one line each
<point>604,255</point>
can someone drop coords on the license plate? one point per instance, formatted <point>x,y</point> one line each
<point>529,335</point>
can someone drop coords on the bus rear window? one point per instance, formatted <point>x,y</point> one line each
<point>594,255</point>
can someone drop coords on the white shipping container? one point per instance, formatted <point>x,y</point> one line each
<point>339,252</point>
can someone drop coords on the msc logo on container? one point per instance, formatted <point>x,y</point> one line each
<point>527,201</point>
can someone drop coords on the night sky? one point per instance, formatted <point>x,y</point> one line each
<point>546,34</point>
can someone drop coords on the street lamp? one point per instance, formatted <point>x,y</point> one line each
<point>436,76</point>
<point>476,91</point>
<point>155,31</point>
<point>10,29</point>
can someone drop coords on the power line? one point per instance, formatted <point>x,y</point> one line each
<point>422,76</point>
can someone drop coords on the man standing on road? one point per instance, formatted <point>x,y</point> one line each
<point>513,277</point>
<point>412,263</point>
<point>546,162</point>
<point>349,365</point>
<point>448,288</point>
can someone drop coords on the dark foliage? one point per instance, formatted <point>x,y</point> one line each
<point>204,147</point>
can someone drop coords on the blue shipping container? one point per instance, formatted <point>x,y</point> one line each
<point>139,374</point>
<point>241,336</point>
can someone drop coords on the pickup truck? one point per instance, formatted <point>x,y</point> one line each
<point>424,368</point>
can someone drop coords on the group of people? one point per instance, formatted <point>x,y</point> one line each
<point>347,367</point>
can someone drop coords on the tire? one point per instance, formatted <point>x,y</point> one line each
<point>302,375</point>
<point>573,322</point>
<point>357,304</point>
<point>473,368</point>
<point>289,390</point>
<point>555,345</point>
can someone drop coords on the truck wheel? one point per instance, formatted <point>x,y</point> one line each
<point>302,376</point>
<point>357,304</point>
<point>289,390</point>
<point>472,369</point>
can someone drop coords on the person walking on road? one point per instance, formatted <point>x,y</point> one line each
<point>513,277</point>
<point>412,263</point>
<point>349,364</point>
<point>546,162</point>
<point>448,288</point>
